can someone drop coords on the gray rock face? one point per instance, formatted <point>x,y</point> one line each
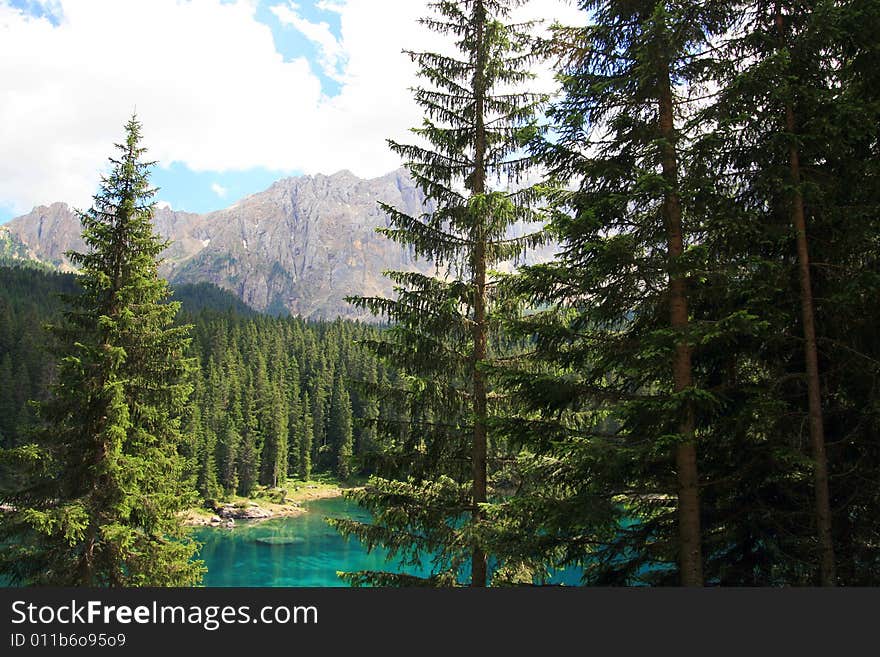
<point>49,231</point>
<point>300,246</point>
<point>305,243</point>
<point>232,512</point>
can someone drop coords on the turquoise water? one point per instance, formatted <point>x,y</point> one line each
<point>298,551</point>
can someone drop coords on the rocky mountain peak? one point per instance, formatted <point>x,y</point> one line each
<point>300,246</point>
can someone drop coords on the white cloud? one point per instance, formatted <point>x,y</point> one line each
<point>331,55</point>
<point>219,190</point>
<point>209,86</point>
<point>324,5</point>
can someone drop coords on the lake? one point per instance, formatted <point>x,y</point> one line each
<point>301,550</point>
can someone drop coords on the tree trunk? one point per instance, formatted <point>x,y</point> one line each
<point>478,186</point>
<point>690,550</point>
<point>827,575</point>
<point>86,571</point>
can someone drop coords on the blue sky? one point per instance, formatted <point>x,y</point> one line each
<point>38,10</point>
<point>203,191</point>
<point>206,190</point>
<point>232,94</point>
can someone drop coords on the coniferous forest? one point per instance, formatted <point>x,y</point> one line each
<point>686,394</point>
<point>270,396</point>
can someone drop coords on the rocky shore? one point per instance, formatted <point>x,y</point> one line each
<point>226,514</point>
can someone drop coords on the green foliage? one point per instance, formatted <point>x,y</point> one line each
<point>229,349</point>
<point>305,442</point>
<point>340,429</point>
<point>561,384</point>
<point>258,374</point>
<point>599,415</point>
<point>101,486</point>
<point>441,331</point>
<point>196,297</point>
<point>799,68</point>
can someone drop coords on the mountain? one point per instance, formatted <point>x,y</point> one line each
<point>300,246</point>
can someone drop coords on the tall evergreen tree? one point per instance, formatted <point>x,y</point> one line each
<point>474,128</point>
<point>320,397</point>
<point>792,124</point>
<point>306,438</point>
<point>9,408</point>
<point>617,404</point>
<point>206,481</point>
<point>366,445</point>
<point>294,416</point>
<point>808,319</point>
<point>274,458</point>
<point>340,433</point>
<point>104,481</point>
<point>248,464</point>
<point>271,420</point>
<point>228,446</point>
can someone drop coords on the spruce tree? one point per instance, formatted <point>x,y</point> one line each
<point>808,317</point>
<point>614,404</point>
<point>228,446</point>
<point>272,420</point>
<point>320,397</point>
<point>367,445</point>
<point>205,440</point>
<point>306,438</point>
<point>8,407</point>
<point>792,124</point>
<point>206,482</point>
<point>340,432</point>
<point>294,416</point>
<point>474,127</point>
<point>248,459</point>
<point>104,479</point>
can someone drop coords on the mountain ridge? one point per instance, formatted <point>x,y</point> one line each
<point>300,246</point>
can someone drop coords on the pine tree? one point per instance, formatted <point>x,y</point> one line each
<point>294,416</point>
<point>305,439</point>
<point>340,433</point>
<point>206,481</point>
<point>205,441</point>
<point>274,457</point>
<point>474,128</point>
<point>101,503</point>
<point>792,124</point>
<point>808,318</point>
<point>370,411</point>
<point>248,463</point>
<point>320,397</point>
<point>228,446</point>
<point>615,405</point>
<point>272,422</point>
<point>191,433</point>
<point>8,407</point>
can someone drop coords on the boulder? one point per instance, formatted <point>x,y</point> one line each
<point>244,513</point>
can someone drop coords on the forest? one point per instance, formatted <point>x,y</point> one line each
<point>687,394</point>
<point>271,395</point>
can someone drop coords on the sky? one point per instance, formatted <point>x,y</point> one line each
<point>232,94</point>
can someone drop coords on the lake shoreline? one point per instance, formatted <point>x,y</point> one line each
<point>257,509</point>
